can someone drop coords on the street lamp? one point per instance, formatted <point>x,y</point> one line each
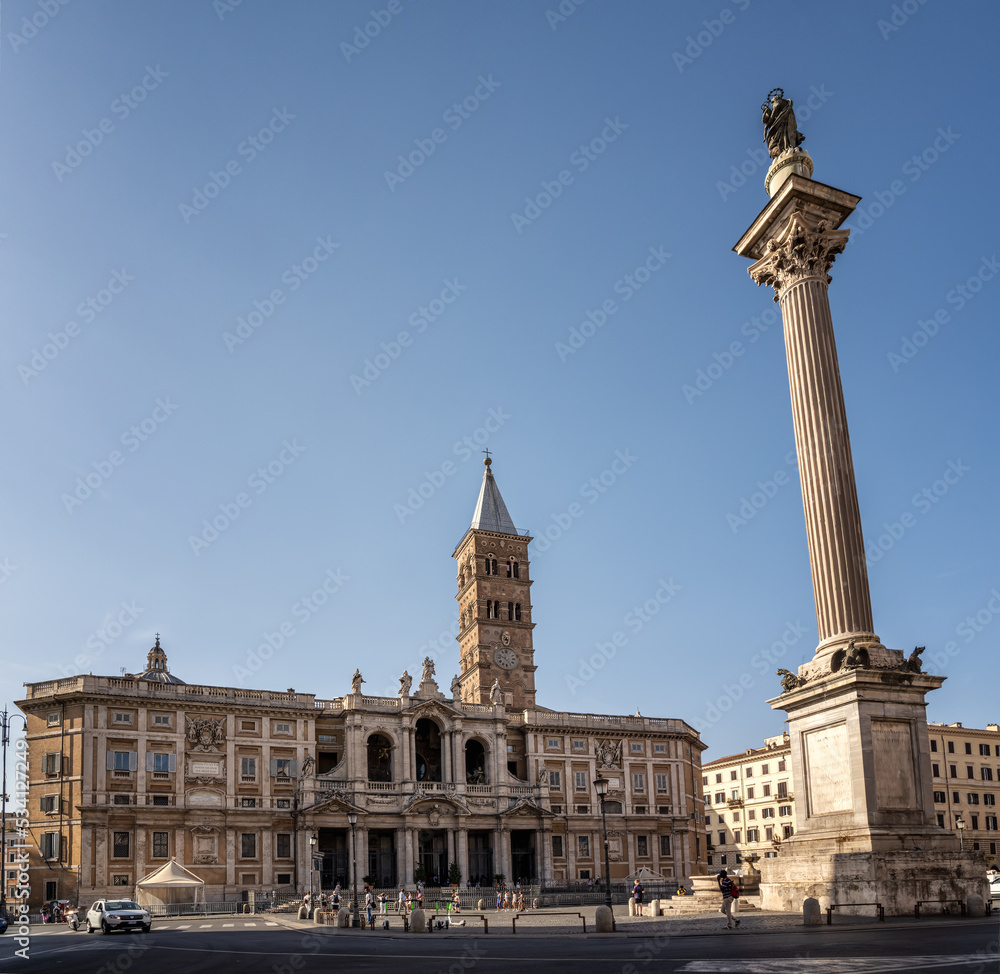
<point>960,825</point>
<point>5,720</point>
<point>312,863</point>
<point>601,787</point>
<point>352,819</point>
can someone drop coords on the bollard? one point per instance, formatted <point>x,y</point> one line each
<point>303,912</point>
<point>319,917</point>
<point>654,908</point>
<point>479,906</point>
<point>536,903</point>
<point>604,920</point>
<point>343,919</point>
<point>974,906</point>
<point>631,906</point>
<point>418,922</point>
<point>811,914</point>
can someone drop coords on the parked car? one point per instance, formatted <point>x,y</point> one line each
<point>108,915</point>
<point>994,879</point>
<point>3,924</point>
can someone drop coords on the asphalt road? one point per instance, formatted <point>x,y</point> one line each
<point>954,945</point>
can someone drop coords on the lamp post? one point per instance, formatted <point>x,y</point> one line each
<point>5,720</point>
<point>352,819</point>
<point>960,825</point>
<point>601,787</point>
<point>312,863</point>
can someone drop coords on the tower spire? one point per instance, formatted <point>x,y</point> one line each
<point>491,512</point>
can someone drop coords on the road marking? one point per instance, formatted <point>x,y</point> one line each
<point>829,965</point>
<point>229,924</point>
<point>183,926</point>
<point>205,926</point>
<point>271,923</point>
<point>249,924</point>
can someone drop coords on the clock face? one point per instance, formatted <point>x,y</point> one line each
<point>505,638</point>
<point>505,658</point>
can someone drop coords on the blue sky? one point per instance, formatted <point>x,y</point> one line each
<point>269,246</point>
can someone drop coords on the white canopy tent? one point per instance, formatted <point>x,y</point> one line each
<point>170,884</point>
<point>646,875</point>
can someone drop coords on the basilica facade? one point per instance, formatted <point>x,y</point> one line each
<point>253,789</point>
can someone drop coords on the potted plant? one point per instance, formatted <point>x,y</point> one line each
<point>369,880</point>
<point>419,873</point>
<point>454,875</point>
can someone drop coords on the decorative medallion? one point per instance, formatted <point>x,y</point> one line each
<point>205,733</point>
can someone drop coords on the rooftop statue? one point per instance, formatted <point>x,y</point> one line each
<point>780,130</point>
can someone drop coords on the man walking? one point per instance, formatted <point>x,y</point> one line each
<point>726,887</point>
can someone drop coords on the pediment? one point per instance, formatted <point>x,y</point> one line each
<point>526,807</point>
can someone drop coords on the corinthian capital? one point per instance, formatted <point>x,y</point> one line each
<point>799,252</point>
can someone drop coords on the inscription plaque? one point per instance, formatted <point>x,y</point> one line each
<point>204,799</point>
<point>892,751</point>
<point>828,770</point>
<point>202,768</point>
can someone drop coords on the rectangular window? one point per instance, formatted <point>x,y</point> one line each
<point>956,798</point>
<point>327,738</point>
<point>120,879</point>
<point>162,762</point>
<point>283,803</point>
<point>49,803</point>
<point>750,793</point>
<point>991,823</point>
<point>763,768</point>
<point>782,789</point>
<point>161,845</point>
<point>579,745</point>
<point>989,799</point>
<point>970,772</point>
<point>975,823</point>
<point>283,845</point>
<point>52,763</point>
<point>986,774</point>
<point>49,847</point>
<point>720,797</point>
<point>940,797</point>
<point>557,846</point>
<point>748,772</point>
<point>552,743</point>
<point>282,768</point>
<point>952,770</point>
<point>951,747</point>
<point>555,780</point>
<point>122,718</point>
<point>121,800</point>
<point>767,813</point>
<point>248,767</point>
<point>120,845</point>
<point>722,837</point>
<point>737,836</point>
<point>659,748</point>
<point>936,770</point>
<point>940,821</point>
<point>282,728</point>
<point>733,776</point>
<point>248,845</point>
<point>786,831</point>
<point>53,718</point>
<point>752,814</point>
<point>767,790</point>
<point>968,747</point>
<point>934,746</point>
<point>784,810</point>
<point>642,846</point>
<point>580,781</point>
<point>753,835</point>
<point>662,782</point>
<point>638,782</point>
<point>636,748</point>
<point>583,846</point>
<point>248,802</point>
<point>161,720</point>
<point>735,794</point>
<point>972,798</point>
<point>161,799</point>
<point>769,833</point>
<point>736,816</point>
<point>984,750</point>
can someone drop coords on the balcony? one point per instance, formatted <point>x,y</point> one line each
<point>735,802</point>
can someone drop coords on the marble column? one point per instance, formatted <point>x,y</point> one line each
<point>795,241</point>
<point>408,853</point>
<point>463,854</point>
<point>400,849</point>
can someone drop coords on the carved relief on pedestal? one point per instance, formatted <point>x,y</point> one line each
<point>798,252</point>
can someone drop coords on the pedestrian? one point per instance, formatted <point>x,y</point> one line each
<point>506,900</point>
<point>729,893</point>
<point>369,904</point>
<point>400,901</point>
<point>456,902</point>
<point>499,898</point>
<point>637,892</point>
<point>420,897</point>
<point>409,902</point>
<point>520,901</point>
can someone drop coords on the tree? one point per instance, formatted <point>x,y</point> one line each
<point>454,874</point>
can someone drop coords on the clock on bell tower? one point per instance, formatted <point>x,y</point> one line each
<point>494,604</point>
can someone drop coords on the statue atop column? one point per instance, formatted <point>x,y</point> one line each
<point>428,675</point>
<point>356,682</point>
<point>496,694</point>
<point>456,688</point>
<point>780,130</point>
<point>405,682</point>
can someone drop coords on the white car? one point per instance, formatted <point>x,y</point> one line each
<point>994,879</point>
<point>108,915</point>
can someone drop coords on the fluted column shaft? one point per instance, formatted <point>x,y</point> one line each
<point>795,253</point>
<point>826,468</point>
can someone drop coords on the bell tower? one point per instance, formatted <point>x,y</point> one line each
<point>494,604</point>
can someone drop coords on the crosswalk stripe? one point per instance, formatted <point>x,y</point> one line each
<point>205,926</point>
<point>828,965</point>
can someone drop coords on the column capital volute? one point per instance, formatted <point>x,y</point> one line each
<point>803,249</point>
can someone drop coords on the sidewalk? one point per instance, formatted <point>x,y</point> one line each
<point>559,921</point>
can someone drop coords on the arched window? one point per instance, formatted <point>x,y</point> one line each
<point>379,758</point>
<point>517,612</point>
<point>427,745</point>
<point>475,763</point>
<point>512,569</point>
<point>613,808</point>
<point>491,565</point>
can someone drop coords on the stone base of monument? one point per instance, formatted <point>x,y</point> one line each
<point>855,881</point>
<point>707,898</point>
